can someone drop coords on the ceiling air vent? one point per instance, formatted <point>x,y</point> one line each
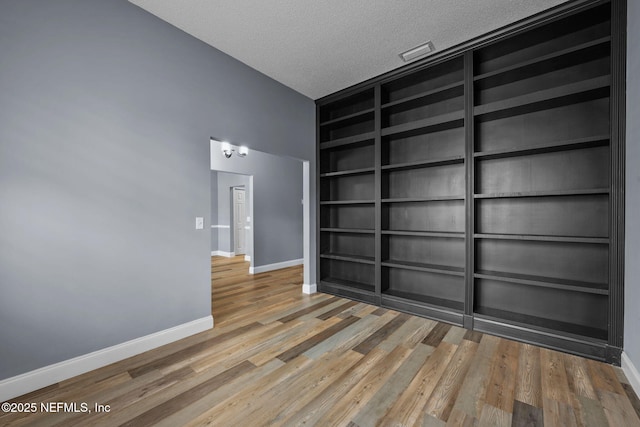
<point>417,51</point>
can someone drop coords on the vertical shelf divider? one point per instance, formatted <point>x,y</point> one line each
<point>470,185</point>
<point>377,101</point>
<point>617,183</point>
<point>317,201</point>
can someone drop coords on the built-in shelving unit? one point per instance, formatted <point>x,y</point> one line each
<point>423,191</point>
<point>347,196</point>
<point>541,152</point>
<point>478,188</point>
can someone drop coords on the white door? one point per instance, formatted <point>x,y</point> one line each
<point>239,219</point>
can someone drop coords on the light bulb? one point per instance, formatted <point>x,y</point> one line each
<point>225,147</point>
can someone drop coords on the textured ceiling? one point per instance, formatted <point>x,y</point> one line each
<point>319,47</point>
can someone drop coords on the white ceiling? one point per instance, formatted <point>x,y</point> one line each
<point>318,47</point>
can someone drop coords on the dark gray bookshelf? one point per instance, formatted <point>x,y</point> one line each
<point>347,197</point>
<point>480,187</point>
<point>542,180</point>
<point>348,257</point>
<point>587,142</point>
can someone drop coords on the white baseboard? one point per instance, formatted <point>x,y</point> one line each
<point>276,266</point>
<point>247,258</point>
<point>48,375</point>
<point>223,253</point>
<point>631,371</point>
<point>309,289</point>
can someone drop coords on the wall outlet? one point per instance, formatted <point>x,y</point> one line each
<point>199,223</point>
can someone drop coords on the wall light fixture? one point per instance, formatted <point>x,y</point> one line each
<point>228,149</point>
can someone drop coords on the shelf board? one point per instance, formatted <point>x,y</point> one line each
<point>543,58</point>
<point>423,199</point>
<point>348,284</point>
<point>546,282</point>
<point>418,266</point>
<point>567,239</point>
<point>347,230</point>
<point>346,202</point>
<point>541,193</point>
<point>423,94</point>
<point>347,172</point>
<point>543,95</point>
<point>425,299</point>
<point>347,117</point>
<point>347,140</point>
<point>348,257</point>
<point>545,325</point>
<point>425,123</point>
<point>573,144</point>
<point>449,235</point>
<point>424,163</point>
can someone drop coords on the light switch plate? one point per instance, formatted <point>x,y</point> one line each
<point>199,223</point>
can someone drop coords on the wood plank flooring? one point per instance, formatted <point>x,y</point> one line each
<point>277,357</point>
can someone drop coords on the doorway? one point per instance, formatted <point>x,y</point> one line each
<point>239,220</point>
<point>283,234</point>
<point>232,215</point>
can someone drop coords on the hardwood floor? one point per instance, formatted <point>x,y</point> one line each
<point>278,357</point>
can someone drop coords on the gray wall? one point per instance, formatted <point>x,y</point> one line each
<point>632,214</point>
<point>224,205</point>
<point>277,203</point>
<point>105,118</point>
